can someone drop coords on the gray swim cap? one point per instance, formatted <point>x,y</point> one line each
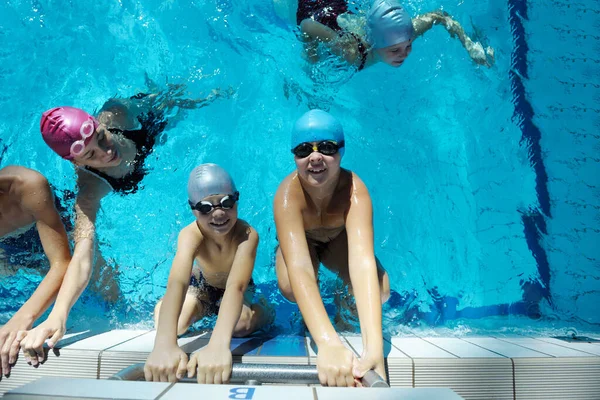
<point>388,24</point>
<point>207,180</point>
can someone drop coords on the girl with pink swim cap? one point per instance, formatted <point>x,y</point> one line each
<point>386,35</point>
<point>109,151</point>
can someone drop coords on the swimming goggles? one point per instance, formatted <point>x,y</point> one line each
<point>86,130</point>
<point>327,147</point>
<point>226,203</point>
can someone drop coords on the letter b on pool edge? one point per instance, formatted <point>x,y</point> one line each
<point>242,393</point>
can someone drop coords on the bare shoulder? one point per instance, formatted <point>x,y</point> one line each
<point>190,235</point>
<point>33,187</point>
<point>358,186</point>
<point>28,178</point>
<point>244,231</point>
<point>288,182</point>
<point>289,192</point>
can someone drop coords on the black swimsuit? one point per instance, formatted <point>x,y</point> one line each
<point>214,294</point>
<point>326,13</point>
<point>144,140</point>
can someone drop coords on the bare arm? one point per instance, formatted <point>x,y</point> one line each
<point>237,282</point>
<point>423,23</point>
<point>179,280</point>
<point>54,240</point>
<point>213,363</point>
<point>39,201</point>
<point>363,273</point>
<point>342,45</point>
<point>167,362</point>
<point>294,248</point>
<point>91,191</point>
<point>334,361</point>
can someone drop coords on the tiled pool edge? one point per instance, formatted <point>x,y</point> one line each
<point>497,377</point>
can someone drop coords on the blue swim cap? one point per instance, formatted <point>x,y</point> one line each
<point>388,24</point>
<point>207,180</point>
<point>317,125</point>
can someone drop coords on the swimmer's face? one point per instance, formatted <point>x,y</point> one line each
<point>318,168</point>
<point>396,54</point>
<point>101,152</point>
<point>219,220</point>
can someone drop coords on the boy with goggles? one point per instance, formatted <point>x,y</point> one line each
<point>226,203</point>
<point>323,214</point>
<point>224,248</point>
<point>326,147</point>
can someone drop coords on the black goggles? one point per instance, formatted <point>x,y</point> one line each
<point>226,203</point>
<point>327,147</point>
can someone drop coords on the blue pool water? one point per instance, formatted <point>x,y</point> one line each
<point>484,181</point>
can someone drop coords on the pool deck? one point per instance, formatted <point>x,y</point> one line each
<point>474,367</point>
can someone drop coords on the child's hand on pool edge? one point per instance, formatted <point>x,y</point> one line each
<point>11,336</point>
<point>33,344</point>
<point>211,364</point>
<point>334,365</point>
<point>166,363</point>
<point>366,363</point>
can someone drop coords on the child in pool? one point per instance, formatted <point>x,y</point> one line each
<point>323,214</point>
<point>388,36</point>
<point>109,152</point>
<point>224,248</point>
<point>27,202</point>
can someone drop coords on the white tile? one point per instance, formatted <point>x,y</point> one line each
<point>54,388</point>
<point>72,335</point>
<point>418,348</point>
<point>194,391</point>
<point>460,348</point>
<point>585,347</point>
<point>105,340</point>
<point>188,339</point>
<point>141,343</point>
<point>145,342</point>
<point>552,349</point>
<point>191,344</point>
<point>324,393</point>
<point>312,346</point>
<point>504,348</point>
<point>389,351</point>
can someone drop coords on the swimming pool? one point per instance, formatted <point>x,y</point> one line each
<point>455,156</point>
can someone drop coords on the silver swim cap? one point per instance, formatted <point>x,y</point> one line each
<point>388,24</point>
<point>207,180</point>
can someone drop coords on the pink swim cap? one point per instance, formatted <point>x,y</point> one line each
<point>61,127</point>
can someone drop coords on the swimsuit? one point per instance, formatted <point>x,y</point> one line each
<point>214,294</point>
<point>326,13</point>
<point>316,241</point>
<point>144,140</point>
<point>323,11</point>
